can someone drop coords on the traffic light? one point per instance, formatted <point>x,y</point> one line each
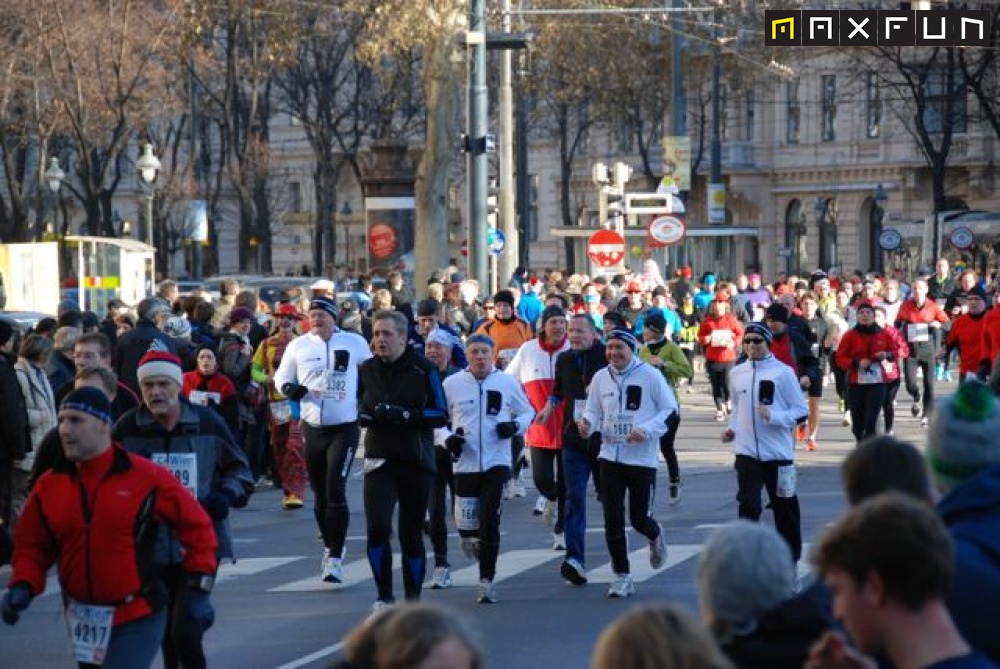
<point>492,205</point>
<point>616,204</point>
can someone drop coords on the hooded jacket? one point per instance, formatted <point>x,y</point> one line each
<point>972,513</point>
<point>477,407</point>
<point>770,440</point>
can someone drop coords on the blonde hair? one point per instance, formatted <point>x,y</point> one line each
<point>657,637</point>
<point>403,636</point>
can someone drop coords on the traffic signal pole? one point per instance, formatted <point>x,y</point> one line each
<point>478,168</point>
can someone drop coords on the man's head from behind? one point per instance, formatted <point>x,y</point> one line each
<point>882,464</point>
<point>886,559</point>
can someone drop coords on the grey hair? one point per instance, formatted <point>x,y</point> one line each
<point>745,570</point>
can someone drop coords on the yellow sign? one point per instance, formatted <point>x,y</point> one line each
<point>676,164</point>
<point>778,27</point>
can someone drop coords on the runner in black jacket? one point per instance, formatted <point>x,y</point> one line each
<point>400,402</point>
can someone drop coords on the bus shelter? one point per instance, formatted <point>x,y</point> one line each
<point>110,267</point>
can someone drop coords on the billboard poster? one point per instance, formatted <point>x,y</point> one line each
<point>676,164</point>
<point>391,225</point>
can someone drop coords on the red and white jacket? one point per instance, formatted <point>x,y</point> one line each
<point>535,367</point>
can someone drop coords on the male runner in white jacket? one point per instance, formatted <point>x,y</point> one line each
<point>629,402</point>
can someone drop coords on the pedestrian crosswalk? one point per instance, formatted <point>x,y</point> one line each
<point>510,564</point>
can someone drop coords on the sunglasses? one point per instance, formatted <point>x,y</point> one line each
<point>753,340</point>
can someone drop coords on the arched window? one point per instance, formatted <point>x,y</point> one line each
<point>826,219</point>
<point>795,239</point>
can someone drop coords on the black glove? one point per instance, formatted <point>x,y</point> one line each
<point>6,546</point>
<point>294,391</point>
<point>198,606</point>
<point>15,601</point>
<point>365,420</point>
<point>217,503</point>
<point>392,413</point>
<point>507,430</point>
<point>454,444</point>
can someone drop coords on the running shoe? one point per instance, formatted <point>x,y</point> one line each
<point>811,444</point>
<point>915,409</point>
<point>658,550</point>
<point>623,586</point>
<point>846,420</point>
<point>333,570</point>
<point>377,608</point>
<point>558,541</point>
<point>513,488</point>
<point>924,421</point>
<point>441,578</point>
<point>291,501</point>
<point>720,416</point>
<point>487,592</point>
<point>675,492</point>
<point>539,507</point>
<point>573,571</point>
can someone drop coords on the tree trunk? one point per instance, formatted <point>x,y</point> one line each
<point>325,249</point>
<point>442,91</point>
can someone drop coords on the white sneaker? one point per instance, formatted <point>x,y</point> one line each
<point>550,512</point>
<point>846,420</point>
<point>558,541</point>
<point>675,493</point>
<point>441,578</point>
<point>720,416</point>
<point>513,488</point>
<point>539,507</point>
<point>333,570</point>
<point>377,608</point>
<point>470,547</point>
<point>623,586</point>
<point>658,550</point>
<point>573,571</point>
<point>487,592</point>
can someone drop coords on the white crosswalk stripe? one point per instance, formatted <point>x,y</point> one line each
<point>639,563</point>
<point>509,564</point>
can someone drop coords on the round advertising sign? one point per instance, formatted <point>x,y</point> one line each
<point>962,238</point>
<point>890,240</point>
<point>382,241</point>
<point>667,230</point>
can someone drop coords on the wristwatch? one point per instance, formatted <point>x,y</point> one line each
<point>202,582</point>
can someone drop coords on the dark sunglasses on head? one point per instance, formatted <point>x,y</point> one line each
<point>753,340</point>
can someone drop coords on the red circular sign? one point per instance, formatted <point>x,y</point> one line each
<point>606,248</point>
<point>382,241</point>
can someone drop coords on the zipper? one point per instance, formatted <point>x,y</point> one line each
<point>480,384</point>
<point>88,515</point>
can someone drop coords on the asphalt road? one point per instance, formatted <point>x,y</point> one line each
<point>273,610</point>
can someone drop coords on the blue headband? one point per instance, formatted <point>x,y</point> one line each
<point>90,401</point>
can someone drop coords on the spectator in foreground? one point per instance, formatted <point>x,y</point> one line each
<point>889,565</point>
<point>657,637</point>
<point>746,587</point>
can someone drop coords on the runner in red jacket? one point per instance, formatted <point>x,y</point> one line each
<point>966,334</point>
<point>865,352</point>
<point>920,320</point>
<point>96,513</point>
<point>720,334</point>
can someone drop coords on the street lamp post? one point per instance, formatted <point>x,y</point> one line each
<point>148,166</point>
<point>880,198</point>
<point>53,176</point>
<point>826,259</point>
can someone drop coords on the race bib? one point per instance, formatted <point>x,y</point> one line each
<point>872,375</point>
<point>722,338</point>
<point>917,332</point>
<point>184,467</point>
<point>334,386</point>
<point>467,513</point>
<point>89,630</point>
<point>578,407</point>
<point>203,398</point>
<point>281,411</point>
<point>786,481</point>
<point>616,428</point>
